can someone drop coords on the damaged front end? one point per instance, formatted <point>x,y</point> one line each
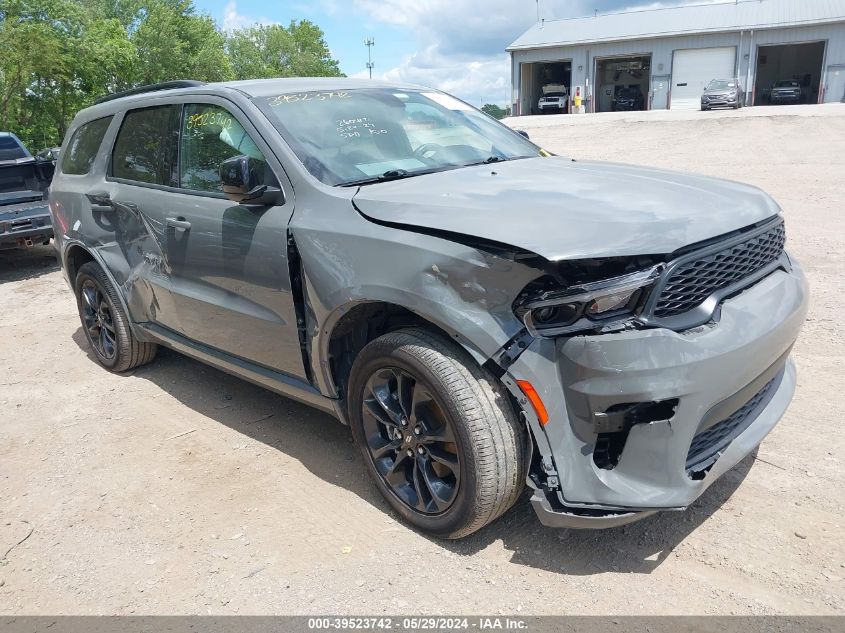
<point>653,380</point>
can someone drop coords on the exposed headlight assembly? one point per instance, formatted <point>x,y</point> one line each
<point>587,306</point>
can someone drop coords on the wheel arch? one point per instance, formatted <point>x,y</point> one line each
<point>350,327</point>
<point>74,255</point>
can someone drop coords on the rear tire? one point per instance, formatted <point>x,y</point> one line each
<point>418,402</point>
<point>105,324</point>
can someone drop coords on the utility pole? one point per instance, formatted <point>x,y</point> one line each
<point>369,42</point>
<point>538,9</point>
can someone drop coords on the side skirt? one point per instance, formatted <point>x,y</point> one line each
<point>275,381</point>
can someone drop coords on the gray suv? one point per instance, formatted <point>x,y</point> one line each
<point>482,314</point>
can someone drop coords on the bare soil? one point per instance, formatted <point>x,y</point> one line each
<point>180,489</point>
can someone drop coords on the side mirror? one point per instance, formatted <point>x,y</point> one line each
<point>240,177</point>
<point>523,133</point>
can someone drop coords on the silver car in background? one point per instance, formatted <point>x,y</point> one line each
<point>722,93</point>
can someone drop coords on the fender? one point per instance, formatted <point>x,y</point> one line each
<point>67,244</point>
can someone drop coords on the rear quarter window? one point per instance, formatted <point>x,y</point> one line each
<point>83,147</point>
<point>146,149</point>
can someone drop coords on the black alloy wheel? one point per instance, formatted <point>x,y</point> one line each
<point>97,320</point>
<point>105,323</point>
<point>410,440</point>
<point>437,432</point>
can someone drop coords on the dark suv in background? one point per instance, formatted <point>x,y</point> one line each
<point>482,314</point>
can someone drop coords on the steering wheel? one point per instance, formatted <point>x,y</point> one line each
<point>427,150</point>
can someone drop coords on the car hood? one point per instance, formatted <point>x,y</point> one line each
<point>563,209</point>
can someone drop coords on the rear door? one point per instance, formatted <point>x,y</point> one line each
<point>693,69</point>
<point>137,197</point>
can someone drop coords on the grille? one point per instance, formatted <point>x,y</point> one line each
<point>706,444</point>
<point>692,282</point>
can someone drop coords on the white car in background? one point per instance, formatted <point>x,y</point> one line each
<point>555,98</point>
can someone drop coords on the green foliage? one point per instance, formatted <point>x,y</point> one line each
<point>58,56</point>
<point>495,111</point>
<point>275,51</point>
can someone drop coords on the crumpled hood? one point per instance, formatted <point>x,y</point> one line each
<point>563,209</point>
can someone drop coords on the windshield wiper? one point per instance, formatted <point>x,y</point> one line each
<point>390,174</point>
<point>490,159</point>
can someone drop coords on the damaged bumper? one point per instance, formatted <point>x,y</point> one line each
<point>646,420</point>
<point>24,225</point>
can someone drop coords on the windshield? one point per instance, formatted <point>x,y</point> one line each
<point>355,136</point>
<point>721,84</point>
<point>786,83</point>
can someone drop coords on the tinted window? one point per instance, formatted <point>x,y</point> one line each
<point>83,147</point>
<point>210,135</point>
<point>146,146</point>
<point>10,149</point>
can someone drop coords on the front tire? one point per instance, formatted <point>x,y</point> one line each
<point>438,434</point>
<point>105,324</point>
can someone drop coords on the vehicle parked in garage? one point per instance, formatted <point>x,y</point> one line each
<point>482,314</point>
<point>628,98</point>
<point>555,99</point>
<point>24,216</point>
<point>785,91</point>
<point>722,93</point>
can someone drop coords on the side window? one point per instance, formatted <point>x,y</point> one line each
<point>83,147</point>
<point>210,135</point>
<point>146,146</point>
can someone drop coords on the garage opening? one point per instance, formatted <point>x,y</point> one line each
<point>545,87</point>
<point>694,68</point>
<point>623,83</point>
<point>789,73</point>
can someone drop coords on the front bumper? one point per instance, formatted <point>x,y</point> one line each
<point>790,98</point>
<point>720,102</point>
<point>712,369</point>
<point>24,225</point>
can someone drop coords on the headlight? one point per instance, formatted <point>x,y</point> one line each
<point>587,306</point>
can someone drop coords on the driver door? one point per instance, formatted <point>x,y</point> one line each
<point>229,268</point>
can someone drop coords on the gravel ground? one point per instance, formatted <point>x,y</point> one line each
<point>178,489</point>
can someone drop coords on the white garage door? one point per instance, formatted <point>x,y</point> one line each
<point>693,69</point>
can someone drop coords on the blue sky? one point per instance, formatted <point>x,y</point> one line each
<point>455,45</point>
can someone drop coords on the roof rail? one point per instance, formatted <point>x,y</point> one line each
<point>166,85</point>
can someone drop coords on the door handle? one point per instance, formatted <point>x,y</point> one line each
<point>100,201</point>
<point>178,223</point>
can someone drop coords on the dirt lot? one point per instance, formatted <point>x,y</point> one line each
<point>179,489</point>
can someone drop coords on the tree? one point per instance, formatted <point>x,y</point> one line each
<point>55,56</point>
<point>298,50</point>
<point>174,42</point>
<point>495,111</point>
<point>58,56</point>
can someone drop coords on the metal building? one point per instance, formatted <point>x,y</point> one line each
<point>668,55</point>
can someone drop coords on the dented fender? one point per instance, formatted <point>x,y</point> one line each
<point>464,291</point>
